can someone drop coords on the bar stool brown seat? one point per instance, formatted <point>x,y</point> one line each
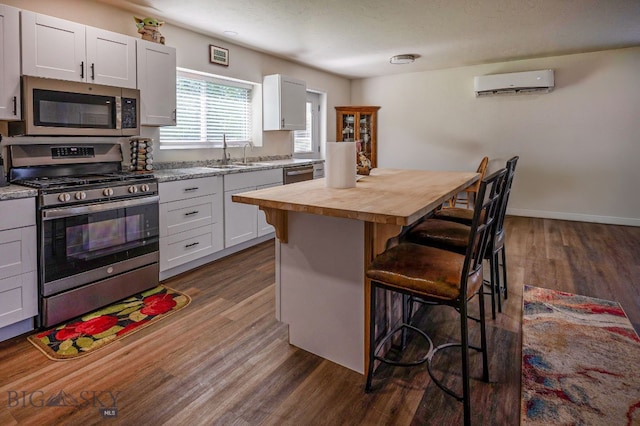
<point>439,277</point>
<point>449,229</point>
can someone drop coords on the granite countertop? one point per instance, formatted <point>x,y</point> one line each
<point>178,173</point>
<point>13,192</point>
<point>182,173</point>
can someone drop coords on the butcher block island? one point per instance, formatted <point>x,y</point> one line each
<point>326,237</point>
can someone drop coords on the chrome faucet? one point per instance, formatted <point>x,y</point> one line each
<point>244,151</point>
<point>225,157</point>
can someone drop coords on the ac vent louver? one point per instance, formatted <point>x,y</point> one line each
<point>528,82</point>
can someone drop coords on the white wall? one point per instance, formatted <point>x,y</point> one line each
<point>192,51</point>
<point>579,145</point>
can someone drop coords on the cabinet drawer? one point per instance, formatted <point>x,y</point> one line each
<point>190,245</point>
<point>189,188</point>
<point>17,251</point>
<point>18,298</point>
<point>180,216</point>
<point>17,213</point>
<point>252,179</point>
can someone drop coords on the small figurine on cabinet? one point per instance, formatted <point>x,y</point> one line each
<point>364,164</point>
<point>148,27</point>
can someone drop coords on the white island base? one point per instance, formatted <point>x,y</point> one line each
<point>320,291</point>
<point>326,238</point>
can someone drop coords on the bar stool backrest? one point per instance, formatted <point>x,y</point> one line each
<point>483,224</point>
<point>506,191</point>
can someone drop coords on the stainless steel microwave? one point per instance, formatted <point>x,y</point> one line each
<point>67,108</point>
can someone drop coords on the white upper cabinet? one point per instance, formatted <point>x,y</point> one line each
<point>111,58</point>
<point>284,103</point>
<point>56,48</point>
<point>157,83</point>
<point>9,64</point>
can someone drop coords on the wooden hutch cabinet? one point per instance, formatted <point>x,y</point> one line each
<point>359,124</point>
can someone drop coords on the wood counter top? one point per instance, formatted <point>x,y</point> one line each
<point>389,196</point>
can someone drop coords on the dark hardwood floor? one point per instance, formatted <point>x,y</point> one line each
<point>225,360</point>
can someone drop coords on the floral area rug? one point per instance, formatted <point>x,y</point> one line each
<point>84,335</point>
<point>580,361</point>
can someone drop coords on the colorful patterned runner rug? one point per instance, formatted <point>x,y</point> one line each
<point>580,361</point>
<point>84,335</point>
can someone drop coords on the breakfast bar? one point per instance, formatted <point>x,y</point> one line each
<point>326,237</point>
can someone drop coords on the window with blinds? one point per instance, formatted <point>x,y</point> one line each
<point>208,108</point>
<point>302,142</point>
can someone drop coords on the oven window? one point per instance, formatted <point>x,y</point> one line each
<point>92,239</point>
<point>77,244</point>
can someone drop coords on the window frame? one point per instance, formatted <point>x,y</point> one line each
<point>253,89</point>
<point>314,99</point>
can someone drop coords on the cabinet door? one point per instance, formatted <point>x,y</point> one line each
<point>18,285</point>
<point>17,251</point>
<point>157,83</point>
<point>9,64</point>
<point>294,104</point>
<point>240,220</point>
<point>111,58</point>
<point>187,246</point>
<point>359,124</point>
<point>183,215</point>
<point>284,103</point>
<point>346,127</point>
<point>18,298</point>
<point>53,48</point>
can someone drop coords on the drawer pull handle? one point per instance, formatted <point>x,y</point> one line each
<point>191,245</point>
<point>191,213</point>
<point>195,188</point>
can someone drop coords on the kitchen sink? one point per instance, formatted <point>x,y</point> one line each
<point>229,166</point>
<point>238,165</point>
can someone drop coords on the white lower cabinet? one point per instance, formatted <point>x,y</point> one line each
<point>243,222</point>
<point>191,214</point>
<point>18,280</point>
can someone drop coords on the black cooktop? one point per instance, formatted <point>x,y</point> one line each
<point>72,181</point>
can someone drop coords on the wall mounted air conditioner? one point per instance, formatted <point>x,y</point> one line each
<point>513,83</point>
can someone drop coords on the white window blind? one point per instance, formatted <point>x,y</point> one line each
<point>302,142</point>
<point>209,107</point>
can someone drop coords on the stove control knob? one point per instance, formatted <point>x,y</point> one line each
<point>144,187</point>
<point>133,189</point>
<point>64,197</point>
<point>80,195</point>
<point>108,192</point>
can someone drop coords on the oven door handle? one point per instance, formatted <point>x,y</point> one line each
<point>94,208</point>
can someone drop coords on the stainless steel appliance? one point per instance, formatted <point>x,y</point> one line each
<point>293,174</point>
<point>70,108</point>
<point>98,234</point>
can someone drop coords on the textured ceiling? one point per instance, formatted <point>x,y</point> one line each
<point>356,38</point>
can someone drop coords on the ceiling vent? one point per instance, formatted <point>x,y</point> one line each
<point>514,83</point>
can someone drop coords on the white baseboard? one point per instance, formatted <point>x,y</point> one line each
<point>610,220</point>
<point>16,329</point>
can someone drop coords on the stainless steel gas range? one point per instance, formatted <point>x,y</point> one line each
<point>98,234</point>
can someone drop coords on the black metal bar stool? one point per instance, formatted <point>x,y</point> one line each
<point>449,229</point>
<point>440,277</point>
